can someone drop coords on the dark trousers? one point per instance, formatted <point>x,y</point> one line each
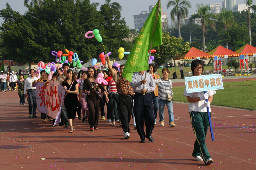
<point>113,99</point>
<point>143,111</point>
<point>200,123</point>
<point>182,74</point>
<point>93,106</point>
<point>32,102</point>
<point>102,105</point>
<point>64,116</point>
<point>22,98</point>
<point>156,104</point>
<point>125,111</point>
<point>12,85</point>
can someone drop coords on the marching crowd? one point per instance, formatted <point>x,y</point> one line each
<point>142,99</point>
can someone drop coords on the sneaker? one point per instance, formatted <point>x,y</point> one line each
<point>30,116</point>
<point>162,123</point>
<point>109,120</point>
<point>103,118</point>
<point>208,161</point>
<point>113,123</point>
<point>155,121</point>
<point>172,124</point>
<point>198,158</point>
<point>126,135</point>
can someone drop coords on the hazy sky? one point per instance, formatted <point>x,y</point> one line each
<point>129,7</point>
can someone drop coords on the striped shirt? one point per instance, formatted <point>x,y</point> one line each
<point>112,86</point>
<point>164,88</point>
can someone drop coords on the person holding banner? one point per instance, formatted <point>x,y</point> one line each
<point>70,99</point>
<point>199,115</point>
<point>143,85</point>
<point>44,78</point>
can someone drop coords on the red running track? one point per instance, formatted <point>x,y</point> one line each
<point>34,144</point>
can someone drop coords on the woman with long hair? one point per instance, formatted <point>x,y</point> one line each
<point>92,89</point>
<point>21,89</point>
<point>70,100</point>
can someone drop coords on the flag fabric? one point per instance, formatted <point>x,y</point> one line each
<point>150,36</point>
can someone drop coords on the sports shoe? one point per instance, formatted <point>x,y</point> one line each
<point>126,135</point>
<point>113,123</point>
<point>172,124</point>
<point>103,118</point>
<point>198,158</point>
<point>109,120</point>
<point>155,121</point>
<point>208,161</point>
<point>162,123</point>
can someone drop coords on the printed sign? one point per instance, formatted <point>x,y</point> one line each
<point>203,83</point>
<point>49,98</point>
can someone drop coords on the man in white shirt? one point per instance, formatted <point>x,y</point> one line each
<point>30,92</point>
<point>13,80</point>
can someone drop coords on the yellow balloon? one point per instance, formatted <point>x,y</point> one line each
<point>121,56</point>
<point>121,50</point>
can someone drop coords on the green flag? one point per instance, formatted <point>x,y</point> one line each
<point>150,36</point>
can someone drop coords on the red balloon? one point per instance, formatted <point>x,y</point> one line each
<point>153,51</point>
<point>70,55</point>
<point>102,58</point>
<point>59,53</point>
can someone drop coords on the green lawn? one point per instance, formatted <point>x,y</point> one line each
<point>235,94</point>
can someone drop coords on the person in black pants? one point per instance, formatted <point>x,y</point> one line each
<point>143,85</point>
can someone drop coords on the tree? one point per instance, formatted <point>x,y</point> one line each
<point>58,25</point>
<point>207,19</point>
<point>249,4</point>
<point>170,48</point>
<point>180,10</point>
<point>114,26</point>
<point>225,21</point>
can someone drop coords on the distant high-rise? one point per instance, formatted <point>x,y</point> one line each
<point>229,4</point>
<point>140,19</point>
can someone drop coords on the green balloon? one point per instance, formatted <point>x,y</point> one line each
<point>96,32</point>
<point>98,38</point>
<point>79,65</point>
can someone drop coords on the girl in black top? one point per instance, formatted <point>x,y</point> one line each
<point>70,101</point>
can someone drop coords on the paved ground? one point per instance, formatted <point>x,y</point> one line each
<point>34,144</point>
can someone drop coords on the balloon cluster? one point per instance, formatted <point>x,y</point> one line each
<point>49,68</point>
<point>95,33</point>
<point>102,57</point>
<point>72,58</point>
<point>122,53</point>
<point>100,79</point>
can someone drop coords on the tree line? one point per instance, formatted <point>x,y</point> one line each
<point>230,29</point>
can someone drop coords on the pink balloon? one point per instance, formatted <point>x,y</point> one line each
<point>87,34</point>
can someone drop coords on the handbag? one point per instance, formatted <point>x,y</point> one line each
<point>169,98</point>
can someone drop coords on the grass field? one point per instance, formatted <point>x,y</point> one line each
<point>240,94</point>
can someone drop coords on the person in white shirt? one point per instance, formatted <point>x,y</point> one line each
<point>3,81</point>
<point>199,115</point>
<point>13,80</point>
<point>30,92</point>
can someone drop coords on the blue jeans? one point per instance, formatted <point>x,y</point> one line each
<point>155,105</point>
<point>3,86</point>
<point>169,105</point>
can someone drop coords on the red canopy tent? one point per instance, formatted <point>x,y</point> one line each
<point>222,51</point>
<point>194,53</point>
<point>247,50</point>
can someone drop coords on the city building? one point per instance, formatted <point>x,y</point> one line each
<point>140,19</point>
<point>215,8</point>
<point>229,4</point>
<point>240,8</point>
